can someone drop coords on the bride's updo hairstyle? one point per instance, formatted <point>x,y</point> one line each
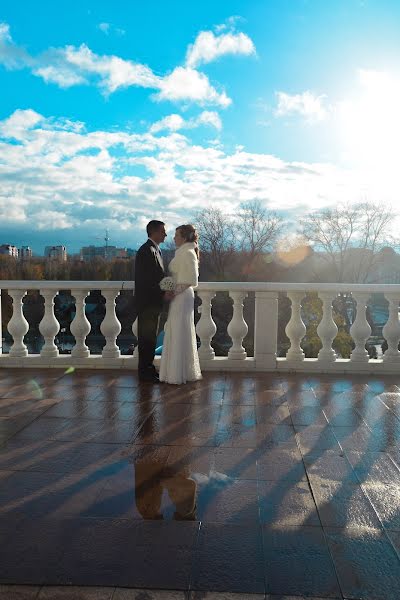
<point>189,234</point>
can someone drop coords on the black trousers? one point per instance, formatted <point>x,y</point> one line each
<point>147,336</point>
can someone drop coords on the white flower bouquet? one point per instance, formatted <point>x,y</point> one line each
<point>167,284</point>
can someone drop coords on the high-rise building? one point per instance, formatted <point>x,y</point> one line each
<point>9,250</point>
<point>25,253</point>
<point>89,253</point>
<point>56,253</point>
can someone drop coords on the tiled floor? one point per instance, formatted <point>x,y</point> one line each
<point>287,486</point>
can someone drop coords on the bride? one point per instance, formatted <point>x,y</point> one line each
<point>179,359</point>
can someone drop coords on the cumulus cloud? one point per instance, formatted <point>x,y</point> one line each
<point>114,72</point>
<point>307,105</point>
<point>171,123</point>
<point>175,122</point>
<point>186,84</point>
<point>61,176</point>
<point>208,47</point>
<point>60,75</point>
<point>79,65</point>
<point>16,125</point>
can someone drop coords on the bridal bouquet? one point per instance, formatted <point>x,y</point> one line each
<point>167,284</point>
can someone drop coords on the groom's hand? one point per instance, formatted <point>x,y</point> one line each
<point>169,295</point>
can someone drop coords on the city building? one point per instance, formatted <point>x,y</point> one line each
<point>9,250</point>
<point>89,253</point>
<point>25,253</point>
<point>56,253</point>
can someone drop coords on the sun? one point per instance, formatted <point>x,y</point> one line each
<point>369,122</point>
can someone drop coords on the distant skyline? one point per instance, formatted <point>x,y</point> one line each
<point>115,113</point>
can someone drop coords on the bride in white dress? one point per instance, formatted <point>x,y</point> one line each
<point>179,359</point>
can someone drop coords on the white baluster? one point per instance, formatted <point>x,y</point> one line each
<point>237,328</point>
<point>391,330</point>
<point>206,327</point>
<point>327,329</point>
<point>1,329</point>
<point>110,327</point>
<point>18,326</point>
<point>49,326</point>
<point>266,329</point>
<point>80,326</point>
<point>135,333</point>
<point>295,329</point>
<point>360,330</point>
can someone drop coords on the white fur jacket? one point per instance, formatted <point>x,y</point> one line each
<point>184,266</point>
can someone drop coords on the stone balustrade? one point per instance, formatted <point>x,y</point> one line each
<point>265,327</point>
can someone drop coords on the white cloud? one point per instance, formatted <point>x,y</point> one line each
<point>70,66</point>
<point>186,84</point>
<point>171,123</point>
<point>104,27</point>
<point>108,28</point>
<point>114,72</point>
<point>11,55</point>
<point>18,123</point>
<point>175,122</point>
<point>53,219</point>
<point>59,175</point>
<point>307,105</point>
<point>62,76</point>
<point>208,47</point>
<point>209,117</point>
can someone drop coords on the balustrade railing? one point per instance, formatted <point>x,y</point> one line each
<point>264,330</point>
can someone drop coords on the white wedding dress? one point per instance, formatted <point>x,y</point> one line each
<point>179,359</point>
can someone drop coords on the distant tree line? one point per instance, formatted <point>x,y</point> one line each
<point>340,244</point>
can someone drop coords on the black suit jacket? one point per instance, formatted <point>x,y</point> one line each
<point>148,274</point>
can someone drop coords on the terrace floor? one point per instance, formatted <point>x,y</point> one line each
<point>275,485</point>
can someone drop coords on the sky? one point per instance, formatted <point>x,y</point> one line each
<point>114,113</point>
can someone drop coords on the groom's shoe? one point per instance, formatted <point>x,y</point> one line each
<point>149,378</point>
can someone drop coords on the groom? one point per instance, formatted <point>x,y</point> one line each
<point>149,270</point>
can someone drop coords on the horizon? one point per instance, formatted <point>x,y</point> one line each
<point>114,115</point>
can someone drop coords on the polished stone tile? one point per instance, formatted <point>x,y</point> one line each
<point>327,466</point>
<point>343,505</point>
<point>228,557</point>
<point>33,553</point>
<point>148,594</point>
<point>315,439</point>
<point>226,500</point>
<point>374,467</point>
<point>224,451</point>
<point>385,498</point>
<point>297,561</point>
<point>366,563</point>
<point>129,553</point>
<point>19,592</point>
<point>224,596</point>
<point>280,463</point>
<point>286,503</point>
<point>72,592</point>
<point>308,415</point>
<point>237,463</point>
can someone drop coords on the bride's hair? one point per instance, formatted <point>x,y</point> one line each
<point>189,234</point>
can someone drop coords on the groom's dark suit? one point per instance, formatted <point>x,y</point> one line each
<point>149,299</point>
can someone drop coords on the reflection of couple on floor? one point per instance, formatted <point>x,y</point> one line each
<point>150,481</point>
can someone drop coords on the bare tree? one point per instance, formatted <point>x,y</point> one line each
<point>217,239</point>
<point>258,228</point>
<point>348,238</point>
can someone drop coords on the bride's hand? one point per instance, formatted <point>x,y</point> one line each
<point>169,295</point>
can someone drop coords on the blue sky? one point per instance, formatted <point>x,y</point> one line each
<point>112,113</point>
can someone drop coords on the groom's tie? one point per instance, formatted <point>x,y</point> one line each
<point>160,257</point>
